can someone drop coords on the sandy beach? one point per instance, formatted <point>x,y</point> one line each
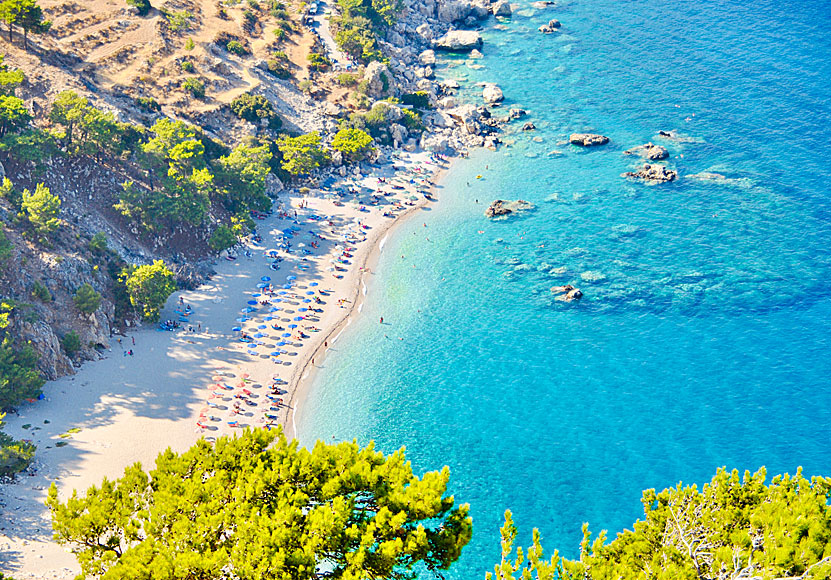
<point>243,356</point>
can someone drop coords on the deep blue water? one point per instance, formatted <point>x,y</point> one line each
<point>702,339</point>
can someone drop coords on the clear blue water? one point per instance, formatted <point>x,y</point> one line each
<point>702,339</point>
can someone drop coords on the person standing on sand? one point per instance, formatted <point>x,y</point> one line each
<point>382,320</point>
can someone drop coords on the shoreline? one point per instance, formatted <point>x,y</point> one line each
<point>303,377</point>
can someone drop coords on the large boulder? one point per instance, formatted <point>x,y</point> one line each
<point>434,143</point>
<point>492,93</point>
<point>502,8</point>
<point>502,208</point>
<point>427,58</point>
<point>379,80</point>
<point>455,11</point>
<point>648,151</point>
<point>657,173</point>
<point>587,139</point>
<point>459,41</point>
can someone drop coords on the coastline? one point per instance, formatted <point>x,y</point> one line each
<point>304,375</point>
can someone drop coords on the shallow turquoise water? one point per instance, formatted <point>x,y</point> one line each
<point>702,339</point>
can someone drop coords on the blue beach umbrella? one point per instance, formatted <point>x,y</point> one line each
<point>265,279</point>
<point>236,329</point>
<point>268,318</point>
<point>291,278</point>
<point>313,284</point>
<point>281,343</point>
<point>260,335</point>
<point>256,294</point>
<point>276,353</point>
<point>306,300</point>
<point>274,309</point>
<point>252,302</point>
<point>298,318</point>
<point>262,326</point>
<point>262,285</point>
<point>286,334</point>
<point>310,292</point>
<point>302,309</point>
<point>292,326</point>
<point>282,292</point>
<point>286,286</point>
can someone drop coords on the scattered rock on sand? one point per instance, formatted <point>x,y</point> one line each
<point>459,41</point>
<point>567,293</point>
<point>501,208</point>
<point>658,173</point>
<point>648,151</point>
<point>587,139</point>
<point>492,93</point>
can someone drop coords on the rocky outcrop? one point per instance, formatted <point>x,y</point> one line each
<point>427,58</point>
<point>567,293</point>
<point>502,8</point>
<point>52,362</point>
<point>587,139</point>
<point>491,93</point>
<point>459,41</point>
<point>658,173</point>
<point>379,80</point>
<point>648,151</point>
<point>502,208</point>
<point>552,26</point>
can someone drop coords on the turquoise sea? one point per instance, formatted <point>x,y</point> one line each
<point>703,337</point>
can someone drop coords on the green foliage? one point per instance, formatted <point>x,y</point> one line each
<point>195,87</point>
<point>148,104</point>
<point>19,377</point>
<point>222,238</point>
<point>318,61</point>
<point>6,246</point>
<point>353,143</point>
<point>98,243</point>
<point>355,37</point>
<point>189,44</point>
<point>15,456</point>
<point>347,80</point>
<point>236,47</point>
<point>90,131</point>
<point>359,24</point>
<point>303,154</point>
<point>412,121</point>
<point>9,79</point>
<point>30,145</point>
<point>41,292</point>
<point>734,527</point>
<point>86,299</point>
<point>279,65</point>
<point>418,99</point>
<point>8,192</point>
<point>177,21</point>
<point>254,108</point>
<point>13,114</point>
<point>71,343</point>
<point>26,14</point>
<point>143,6</point>
<point>187,66</point>
<point>242,174</point>
<point>149,287</point>
<point>260,507</point>
<point>41,209</point>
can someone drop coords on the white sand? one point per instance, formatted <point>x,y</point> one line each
<point>130,408</point>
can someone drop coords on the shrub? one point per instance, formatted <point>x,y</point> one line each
<point>353,143</point>
<point>279,65</point>
<point>98,243</point>
<point>222,238</point>
<point>187,66</point>
<point>318,61</point>
<point>41,292</point>
<point>41,209</point>
<point>87,299</point>
<point>71,343</point>
<point>195,87</point>
<point>419,100</point>
<point>148,104</point>
<point>303,154</point>
<point>347,80</point>
<point>236,47</point>
<point>6,246</point>
<point>189,44</point>
<point>224,39</point>
<point>254,108</point>
<point>143,6</point>
<point>15,456</point>
<point>177,21</point>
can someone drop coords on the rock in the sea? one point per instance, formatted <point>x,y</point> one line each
<point>501,208</point>
<point>587,139</point>
<point>502,8</point>
<point>552,26</point>
<point>516,114</point>
<point>655,172</point>
<point>543,4</point>
<point>460,41</point>
<point>648,151</point>
<point>492,93</point>
<point>567,293</point>
<point>529,126</point>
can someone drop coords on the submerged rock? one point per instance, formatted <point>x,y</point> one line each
<point>492,93</point>
<point>648,151</point>
<point>658,173</point>
<point>552,26</point>
<point>460,41</point>
<point>501,208</point>
<point>529,126</point>
<point>567,293</point>
<point>587,139</point>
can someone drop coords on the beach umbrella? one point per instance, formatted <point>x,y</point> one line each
<point>252,352</point>
<point>298,318</point>
<point>306,300</point>
<point>262,326</point>
<point>313,284</point>
<point>274,309</point>
<point>276,353</point>
<point>292,277</point>
<point>281,343</point>
<point>252,302</point>
<point>259,335</point>
<point>268,318</point>
<point>262,285</point>
<point>302,309</point>
<point>256,295</point>
<point>236,329</point>
<point>292,326</point>
<point>265,279</point>
<point>282,292</point>
<point>310,292</point>
<point>286,334</point>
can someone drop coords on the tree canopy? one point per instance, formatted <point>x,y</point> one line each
<point>734,527</point>
<point>13,114</point>
<point>149,287</point>
<point>42,209</point>
<point>26,14</point>
<point>303,154</point>
<point>258,507</point>
<point>353,143</point>
<point>87,299</point>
